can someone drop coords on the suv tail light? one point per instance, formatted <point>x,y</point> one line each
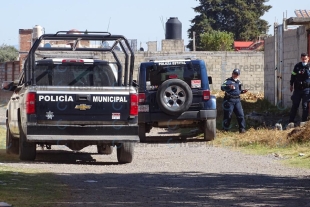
<point>206,95</point>
<point>31,103</point>
<point>133,105</point>
<point>141,97</point>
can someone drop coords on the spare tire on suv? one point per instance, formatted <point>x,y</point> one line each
<point>174,96</point>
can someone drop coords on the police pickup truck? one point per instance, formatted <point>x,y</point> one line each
<point>74,90</point>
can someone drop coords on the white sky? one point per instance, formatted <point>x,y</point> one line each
<point>135,19</point>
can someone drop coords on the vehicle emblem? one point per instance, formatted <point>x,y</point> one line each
<point>82,107</point>
<point>49,115</point>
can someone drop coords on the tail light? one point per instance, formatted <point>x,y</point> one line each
<point>141,97</point>
<point>133,105</point>
<point>31,103</point>
<point>206,95</point>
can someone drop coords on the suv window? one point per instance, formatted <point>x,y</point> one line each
<point>156,75</point>
<point>74,75</point>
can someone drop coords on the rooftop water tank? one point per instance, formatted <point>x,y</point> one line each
<point>37,31</point>
<point>173,29</point>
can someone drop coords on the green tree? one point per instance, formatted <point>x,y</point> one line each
<point>240,17</point>
<point>8,53</point>
<point>217,41</point>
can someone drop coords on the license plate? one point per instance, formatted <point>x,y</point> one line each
<point>143,108</point>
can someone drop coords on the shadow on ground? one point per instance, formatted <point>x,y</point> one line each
<point>182,189</point>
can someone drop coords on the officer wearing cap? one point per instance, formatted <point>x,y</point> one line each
<point>300,83</point>
<point>232,87</point>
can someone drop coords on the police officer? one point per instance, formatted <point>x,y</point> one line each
<point>232,103</point>
<point>300,83</point>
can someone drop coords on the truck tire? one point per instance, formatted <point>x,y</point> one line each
<point>209,129</point>
<point>104,149</point>
<point>12,144</point>
<point>174,96</point>
<point>125,152</point>
<point>27,150</point>
<point>142,131</point>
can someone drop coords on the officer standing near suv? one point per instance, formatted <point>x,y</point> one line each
<point>232,103</point>
<point>300,83</point>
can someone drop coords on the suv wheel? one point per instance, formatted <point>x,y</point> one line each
<point>12,144</point>
<point>27,150</point>
<point>125,152</point>
<point>209,129</point>
<point>104,149</point>
<point>174,96</point>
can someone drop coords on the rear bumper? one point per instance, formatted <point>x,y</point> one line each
<point>106,133</point>
<point>187,115</point>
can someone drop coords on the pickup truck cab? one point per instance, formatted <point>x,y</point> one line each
<point>74,96</point>
<point>175,93</point>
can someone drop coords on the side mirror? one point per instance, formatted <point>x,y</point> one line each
<point>9,85</point>
<point>210,79</point>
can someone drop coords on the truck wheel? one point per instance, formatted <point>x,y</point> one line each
<point>104,149</point>
<point>27,150</point>
<point>174,96</point>
<point>209,129</point>
<point>142,130</point>
<point>12,144</point>
<point>125,152</point>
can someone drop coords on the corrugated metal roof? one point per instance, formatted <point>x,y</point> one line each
<point>302,13</point>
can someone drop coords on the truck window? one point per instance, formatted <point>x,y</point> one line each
<point>74,75</point>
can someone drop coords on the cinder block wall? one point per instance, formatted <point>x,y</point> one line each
<point>172,45</point>
<point>220,66</point>
<point>294,43</point>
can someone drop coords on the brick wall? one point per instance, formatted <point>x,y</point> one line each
<point>25,43</point>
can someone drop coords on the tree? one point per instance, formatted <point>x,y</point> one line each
<point>8,53</point>
<point>217,41</point>
<point>240,17</point>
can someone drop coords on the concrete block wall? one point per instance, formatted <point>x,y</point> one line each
<point>152,46</point>
<point>269,70</point>
<point>172,45</point>
<point>220,66</point>
<point>294,43</point>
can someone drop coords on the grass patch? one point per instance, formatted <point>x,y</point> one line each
<point>28,188</point>
<point>291,146</point>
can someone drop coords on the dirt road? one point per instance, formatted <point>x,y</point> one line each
<point>165,173</point>
<point>174,174</point>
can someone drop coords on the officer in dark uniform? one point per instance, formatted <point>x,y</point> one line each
<point>232,87</point>
<point>300,83</point>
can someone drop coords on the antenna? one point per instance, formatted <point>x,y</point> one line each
<point>109,24</point>
<point>162,23</point>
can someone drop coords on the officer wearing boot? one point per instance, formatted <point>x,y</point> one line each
<point>300,85</point>
<point>232,87</point>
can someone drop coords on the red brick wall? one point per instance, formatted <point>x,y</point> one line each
<point>25,38</point>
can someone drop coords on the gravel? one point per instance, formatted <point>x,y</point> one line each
<point>173,173</point>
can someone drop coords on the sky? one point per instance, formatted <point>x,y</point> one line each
<point>143,20</point>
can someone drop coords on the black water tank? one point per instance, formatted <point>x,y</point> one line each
<point>173,29</point>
